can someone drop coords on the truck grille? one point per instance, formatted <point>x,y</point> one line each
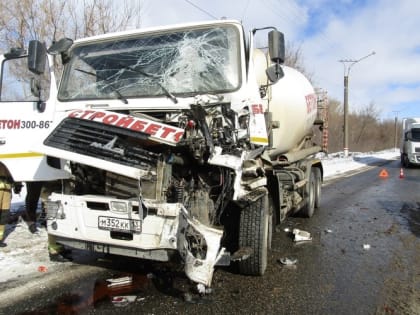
<point>106,142</point>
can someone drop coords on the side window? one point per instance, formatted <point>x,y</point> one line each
<point>16,82</point>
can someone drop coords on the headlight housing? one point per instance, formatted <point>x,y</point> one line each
<point>54,210</point>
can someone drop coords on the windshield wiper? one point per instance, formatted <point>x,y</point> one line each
<point>164,89</point>
<point>120,96</point>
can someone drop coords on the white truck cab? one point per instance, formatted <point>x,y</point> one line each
<point>27,106</point>
<point>410,142</point>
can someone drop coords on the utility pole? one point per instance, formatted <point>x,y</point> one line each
<point>395,130</point>
<point>348,63</point>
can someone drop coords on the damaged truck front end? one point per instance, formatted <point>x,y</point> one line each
<point>159,146</point>
<point>112,226</point>
<point>145,195</point>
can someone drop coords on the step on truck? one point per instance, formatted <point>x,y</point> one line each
<point>184,141</point>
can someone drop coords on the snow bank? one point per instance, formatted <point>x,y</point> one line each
<point>336,164</point>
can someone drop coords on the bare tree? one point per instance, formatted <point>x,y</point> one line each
<point>365,123</point>
<point>294,59</point>
<point>335,126</point>
<point>94,17</point>
<point>49,20</point>
<point>366,133</point>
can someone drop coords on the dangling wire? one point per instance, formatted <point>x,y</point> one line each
<point>202,10</point>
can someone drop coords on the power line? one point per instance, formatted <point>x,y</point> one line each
<point>245,9</point>
<point>202,10</point>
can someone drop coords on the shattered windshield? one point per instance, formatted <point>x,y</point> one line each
<point>179,62</point>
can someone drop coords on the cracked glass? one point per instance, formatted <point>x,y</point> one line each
<point>179,62</point>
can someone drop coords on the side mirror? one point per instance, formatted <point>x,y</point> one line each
<point>277,55</point>
<point>35,88</point>
<point>37,55</point>
<point>276,46</point>
<point>274,73</point>
<point>15,53</point>
<point>36,91</point>
<point>60,46</point>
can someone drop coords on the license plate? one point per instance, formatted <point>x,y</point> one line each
<point>119,224</point>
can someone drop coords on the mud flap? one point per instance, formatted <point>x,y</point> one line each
<point>199,246</point>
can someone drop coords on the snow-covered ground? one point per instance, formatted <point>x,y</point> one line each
<point>335,164</point>
<point>27,254</point>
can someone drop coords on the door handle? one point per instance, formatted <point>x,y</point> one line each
<point>2,141</point>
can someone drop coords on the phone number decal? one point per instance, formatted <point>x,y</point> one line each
<point>24,124</point>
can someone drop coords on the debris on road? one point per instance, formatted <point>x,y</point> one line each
<point>366,246</point>
<point>301,236</point>
<point>124,300</point>
<point>42,269</point>
<point>119,281</point>
<point>288,261</point>
<point>202,289</point>
<point>241,254</point>
<point>188,297</point>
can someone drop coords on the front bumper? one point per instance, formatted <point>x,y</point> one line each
<point>414,158</point>
<point>166,230</point>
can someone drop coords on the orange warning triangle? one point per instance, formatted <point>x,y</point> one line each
<point>383,173</point>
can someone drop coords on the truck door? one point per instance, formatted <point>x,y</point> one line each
<point>26,113</point>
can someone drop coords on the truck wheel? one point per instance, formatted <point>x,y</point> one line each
<point>309,207</point>
<point>254,233</point>
<point>272,222</point>
<point>318,184</point>
<point>406,162</point>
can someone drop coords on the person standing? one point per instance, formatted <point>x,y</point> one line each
<point>6,185</point>
<point>31,204</point>
<point>57,252</point>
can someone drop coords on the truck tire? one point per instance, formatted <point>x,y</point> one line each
<point>404,161</point>
<point>272,222</point>
<point>318,184</point>
<point>310,188</point>
<point>254,233</point>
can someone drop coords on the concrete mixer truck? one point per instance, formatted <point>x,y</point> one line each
<point>184,141</point>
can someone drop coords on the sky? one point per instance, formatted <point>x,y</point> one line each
<point>327,31</point>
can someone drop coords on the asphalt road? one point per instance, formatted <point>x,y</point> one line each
<point>364,258</point>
